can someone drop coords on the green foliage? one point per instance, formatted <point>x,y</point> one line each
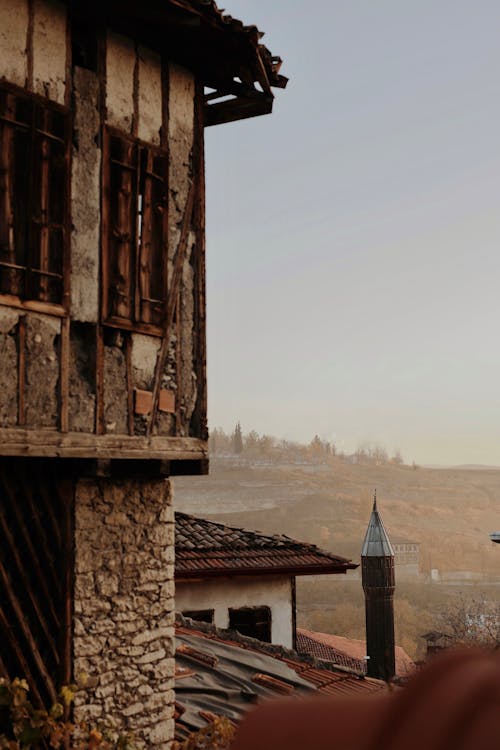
<point>23,727</point>
<point>217,735</point>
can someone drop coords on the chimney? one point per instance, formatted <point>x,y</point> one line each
<point>377,567</point>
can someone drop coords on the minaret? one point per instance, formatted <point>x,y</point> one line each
<point>377,566</point>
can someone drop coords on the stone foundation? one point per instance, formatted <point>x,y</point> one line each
<point>124,606</point>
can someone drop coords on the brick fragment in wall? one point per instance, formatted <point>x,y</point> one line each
<point>13,33</point>
<point>115,388</point>
<point>49,49</point>
<point>85,202</point>
<point>124,634</point>
<point>82,385</point>
<point>8,367</point>
<point>42,370</point>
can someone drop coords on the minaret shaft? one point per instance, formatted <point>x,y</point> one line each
<point>378,585</point>
<point>377,569</point>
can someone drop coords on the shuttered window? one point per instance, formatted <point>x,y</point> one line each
<point>34,196</point>
<point>135,233</point>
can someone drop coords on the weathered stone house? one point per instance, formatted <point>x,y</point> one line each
<point>102,328</point>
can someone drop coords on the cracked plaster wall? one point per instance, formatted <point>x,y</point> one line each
<point>13,36</point>
<point>8,367</point>
<point>124,605</point>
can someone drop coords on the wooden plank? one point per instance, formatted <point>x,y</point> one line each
<point>46,308</point>
<point>29,549</point>
<point>130,384</point>
<point>14,555</point>
<point>105,202</point>
<point>171,305</point>
<point>21,371</point>
<point>50,443</point>
<point>178,364</point>
<point>65,489</point>
<point>64,376</point>
<point>143,310</point>
<point>6,630</point>
<point>22,623</point>
<point>41,534</point>
<point>99,381</point>
<point>4,672</point>
<point>46,496</point>
<point>200,351</point>
<point>29,44</point>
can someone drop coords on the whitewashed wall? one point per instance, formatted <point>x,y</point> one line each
<point>269,591</point>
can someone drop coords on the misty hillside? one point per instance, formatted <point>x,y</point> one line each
<point>449,511</point>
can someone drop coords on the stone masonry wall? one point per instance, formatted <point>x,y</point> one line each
<point>124,605</point>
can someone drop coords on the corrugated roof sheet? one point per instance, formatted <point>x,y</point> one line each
<point>208,548</point>
<point>226,674</point>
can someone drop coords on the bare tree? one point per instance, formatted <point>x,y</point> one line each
<point>473,620</point>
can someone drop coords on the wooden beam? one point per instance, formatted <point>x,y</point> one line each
<point>21,371</point>
<point>18,441</point>
<point>171,305</point>
<point>64,352</point>
<point>13,552</point>
<point>6,630</point>
<point>22,623</point>
<point>29,550</point>
<point>237,109</point>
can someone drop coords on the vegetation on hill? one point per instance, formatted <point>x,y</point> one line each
<point>312,493</point>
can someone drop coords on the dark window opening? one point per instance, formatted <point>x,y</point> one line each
<point>201,615</point>
<point>34,196</point>
<point>252,621</point>
<point>136,243</point>
<point>84,44</point>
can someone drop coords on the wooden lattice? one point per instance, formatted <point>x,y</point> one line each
<point>36,512</point>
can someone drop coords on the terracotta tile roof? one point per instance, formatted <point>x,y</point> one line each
<point>205,548</point>
<point>220,672</point>
<point>348,652</point>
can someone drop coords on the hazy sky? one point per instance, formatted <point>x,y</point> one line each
<point>353,236</point>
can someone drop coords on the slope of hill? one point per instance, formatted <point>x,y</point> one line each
<point>449,511</point>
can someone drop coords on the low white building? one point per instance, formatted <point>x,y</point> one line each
<point>244,580</point>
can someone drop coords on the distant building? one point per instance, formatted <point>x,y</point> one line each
<point>406,558</point>
<point>244,580</point>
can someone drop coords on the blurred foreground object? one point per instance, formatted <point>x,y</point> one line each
<point>453,704</point>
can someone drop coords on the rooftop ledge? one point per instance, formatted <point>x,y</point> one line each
<point>50,443</point>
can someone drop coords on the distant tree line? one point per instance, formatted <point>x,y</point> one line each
<point>254,447</point>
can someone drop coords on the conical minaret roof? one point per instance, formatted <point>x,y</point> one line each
<point>376,542</point>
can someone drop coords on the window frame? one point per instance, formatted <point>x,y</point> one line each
<point>256,611</point>
<point>108,318</point>
<point>27,301</point>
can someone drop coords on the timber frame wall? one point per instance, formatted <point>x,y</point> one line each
<point>143,385</point>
